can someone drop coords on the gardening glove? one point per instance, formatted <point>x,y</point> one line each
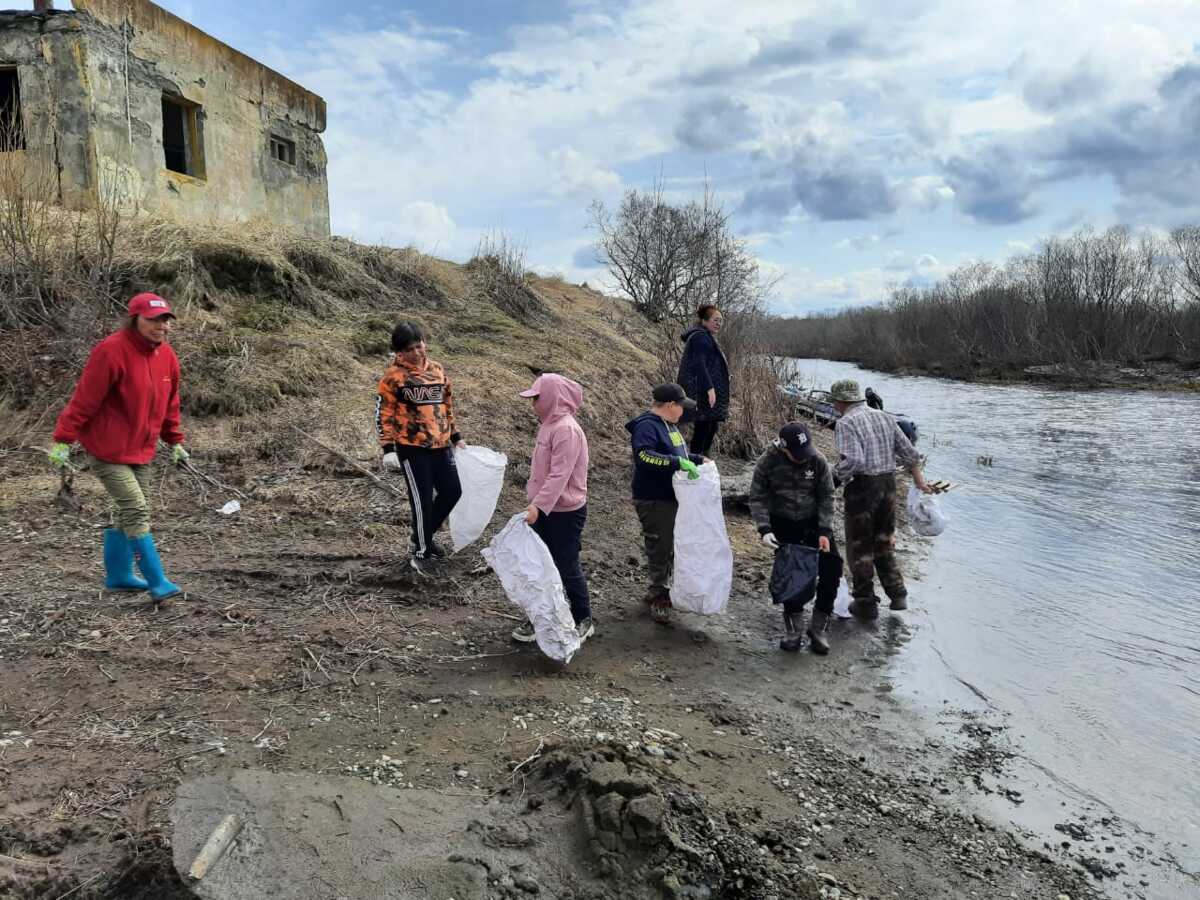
<point>178,454</point>
<point>693,470</point>
<point>391,461</point>
<point>770,541</point>
<point>60,456</point>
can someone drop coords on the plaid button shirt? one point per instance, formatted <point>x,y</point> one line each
<point>870,443</point>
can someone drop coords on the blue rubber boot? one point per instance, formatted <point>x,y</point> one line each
<point>146,555</point>
<point>118,564</point>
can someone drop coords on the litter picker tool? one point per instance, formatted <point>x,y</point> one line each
<point>350,462</point>
<point>202,479</point>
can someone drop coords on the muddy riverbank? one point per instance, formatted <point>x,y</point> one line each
<point>306,645</point>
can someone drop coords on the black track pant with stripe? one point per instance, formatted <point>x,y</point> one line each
<point>433,490</point>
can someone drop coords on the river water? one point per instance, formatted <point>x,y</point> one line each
<point>1066,591</point>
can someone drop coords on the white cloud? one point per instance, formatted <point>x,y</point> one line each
<point>580,176</point>
<point>798,112</point>
<point>859,242</point>
<point>420,223</point>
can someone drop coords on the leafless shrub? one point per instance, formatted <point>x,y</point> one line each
<point>499,273</point>
<point>29,267</point>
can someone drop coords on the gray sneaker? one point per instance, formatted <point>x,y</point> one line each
<point>586,629</point>
<point>524,633</point>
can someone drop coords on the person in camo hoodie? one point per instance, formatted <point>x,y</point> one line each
<point>791,501</point>
<point>414,415</point>
<point>557,491</point>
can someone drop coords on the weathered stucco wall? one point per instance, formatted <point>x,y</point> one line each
<point>124,55</point>
<point>49,56</point>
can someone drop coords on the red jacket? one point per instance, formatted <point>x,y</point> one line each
<point>127,397</point>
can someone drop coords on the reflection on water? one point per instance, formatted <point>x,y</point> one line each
<point>1066,587</point>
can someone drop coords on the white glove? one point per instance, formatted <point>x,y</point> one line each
<point>391,462</point>
<point>770,541</point>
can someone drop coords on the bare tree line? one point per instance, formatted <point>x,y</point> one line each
<point>1109,297</point>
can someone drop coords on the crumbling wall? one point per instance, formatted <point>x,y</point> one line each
<point>136,52</point>
<point>49,55</point>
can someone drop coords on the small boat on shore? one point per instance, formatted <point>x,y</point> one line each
<point>815,404</point>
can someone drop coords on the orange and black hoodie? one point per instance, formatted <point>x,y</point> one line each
<point>415,408</point>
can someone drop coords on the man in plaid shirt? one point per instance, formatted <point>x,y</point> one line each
<point>870,444</point>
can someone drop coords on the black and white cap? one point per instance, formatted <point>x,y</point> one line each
<point>796,438</point>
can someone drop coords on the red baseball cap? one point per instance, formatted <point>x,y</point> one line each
<point>150,306</point>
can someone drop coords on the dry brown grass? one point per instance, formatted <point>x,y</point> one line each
<point>276,328</point>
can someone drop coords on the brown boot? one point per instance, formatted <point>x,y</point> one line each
<point>791,626</point>
<point>866,609</point>
<point>899,604</point>
<point>816,633</point>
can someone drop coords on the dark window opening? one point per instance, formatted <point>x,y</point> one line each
<point>12,131</point>
<point>182,137</point>
<point>283,150</point>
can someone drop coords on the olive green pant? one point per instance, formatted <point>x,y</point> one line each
<point>658,535</point>
<point>126,485</point>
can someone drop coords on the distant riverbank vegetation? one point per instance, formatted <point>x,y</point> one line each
<point>1077,304</point>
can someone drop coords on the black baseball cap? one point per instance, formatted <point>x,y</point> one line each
<point>672,393</point>
<point>795,437</point>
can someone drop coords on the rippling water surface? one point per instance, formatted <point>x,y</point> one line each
<point>1067,586</point>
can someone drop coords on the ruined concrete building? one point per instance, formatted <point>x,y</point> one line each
<point>133,105</point>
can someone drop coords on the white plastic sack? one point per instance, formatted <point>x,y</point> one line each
<point>703,557</point>
<point>841,603</point>
<point>925,513</point>
<point>531,580</point>
<point>481,472</point>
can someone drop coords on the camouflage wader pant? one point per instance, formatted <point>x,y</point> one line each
<point>870,509</point>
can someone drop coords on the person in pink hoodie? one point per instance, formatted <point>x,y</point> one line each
<point>557,491</point>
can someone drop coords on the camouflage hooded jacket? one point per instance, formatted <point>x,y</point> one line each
<point>415,408</point>
<point>797,492</point>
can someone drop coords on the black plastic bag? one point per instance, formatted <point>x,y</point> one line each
<point>794,575</point>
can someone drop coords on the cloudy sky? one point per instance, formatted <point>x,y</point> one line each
<point>859,144</point>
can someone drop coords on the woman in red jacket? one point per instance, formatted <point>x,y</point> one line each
<point>126,399</point>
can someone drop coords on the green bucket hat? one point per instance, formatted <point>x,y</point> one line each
<point>846,390</point>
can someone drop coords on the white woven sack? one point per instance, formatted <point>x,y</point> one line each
<point>531,580</point>
<point>481,473</point>
<point>703,557</point>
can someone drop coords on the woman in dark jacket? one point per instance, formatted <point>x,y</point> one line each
<point>704,375</point>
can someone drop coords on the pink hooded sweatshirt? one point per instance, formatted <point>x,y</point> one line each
<point>558,473</point>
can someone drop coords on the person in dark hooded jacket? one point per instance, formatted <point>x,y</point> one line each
<point>704,375</point>
<point>791,501</point>
<point>658,453</point>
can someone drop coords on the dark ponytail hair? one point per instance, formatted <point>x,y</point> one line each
<point>405,335</point>
<point>705,312</point>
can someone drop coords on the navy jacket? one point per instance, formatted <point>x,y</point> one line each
<point>657,448</point>
<point>702,367</point>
